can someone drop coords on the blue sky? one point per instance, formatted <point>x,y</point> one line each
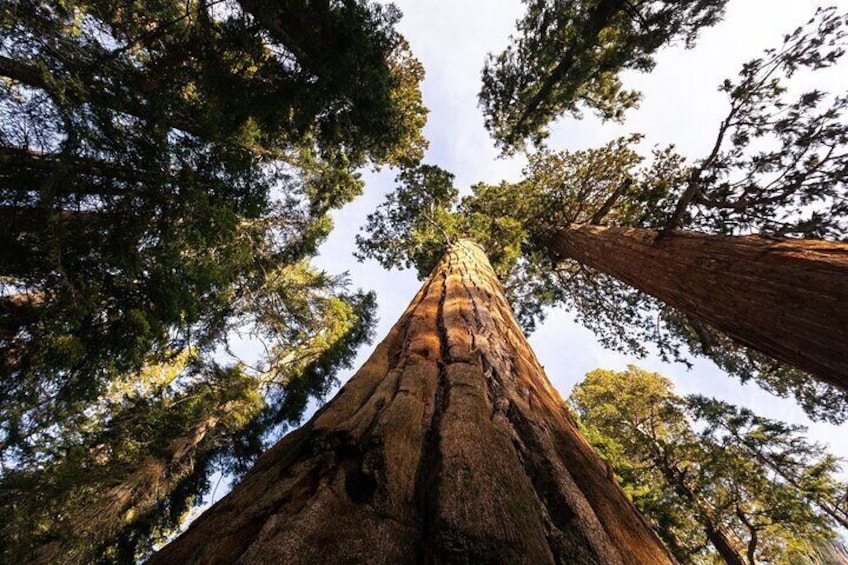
<point>681,106</point>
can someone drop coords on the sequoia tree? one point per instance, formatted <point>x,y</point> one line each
<point>787,298</point>
<point>778,283</point>
<point>761,287</point>
<point>449,444</point>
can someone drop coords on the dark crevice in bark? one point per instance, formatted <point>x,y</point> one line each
<point>564,535</point>
<point>430,464</point>
<point>472,325</point>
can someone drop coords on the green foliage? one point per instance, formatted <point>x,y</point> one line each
<point>780,447</point>
<point>159,160</point>
<point>569,55</point>
<point>513,222</point>
<point>105,473</point>
<point>360,71</point>
<point>424,215</point>
<point>695,464</point>
<point>777,168</point>
<point>413,225</point>
<point>778,164</point>
<point>123,474</point>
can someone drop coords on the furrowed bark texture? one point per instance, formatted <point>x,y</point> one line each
<point>785,298</point>
<point>448,446</point>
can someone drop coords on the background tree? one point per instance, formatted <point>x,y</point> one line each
<point>157,164</point>
<point>165,172</point>
<point>700,484</point>
<point>132,141</point>
<point>568,55</point>
<point>123,474</point>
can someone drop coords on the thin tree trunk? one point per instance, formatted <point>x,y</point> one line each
<point>103,516</point>
<point>783,297</point>
<point>448,445</point>
<point>725,548</point>
<point>716,534</point>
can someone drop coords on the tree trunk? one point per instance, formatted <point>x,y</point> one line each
<point>725,548</point>
<point>104,514</point>
<point>716,534</point>
<point>783,297</point>
<point>448,445</point>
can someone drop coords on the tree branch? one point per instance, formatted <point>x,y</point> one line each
<point>610,202</point>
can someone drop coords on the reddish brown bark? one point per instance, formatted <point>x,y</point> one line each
<point>448,445</point>
<point>724,546</point>
<point>785,298</point>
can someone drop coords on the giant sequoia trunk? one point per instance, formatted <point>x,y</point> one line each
<point>783,297</point>
<point>448,445</point>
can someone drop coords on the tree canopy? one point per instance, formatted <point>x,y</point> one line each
<point>166,172</point>
<point>568,55</point>
<point>697,466</point>
<point>158,163</point>
<point>120,475</point>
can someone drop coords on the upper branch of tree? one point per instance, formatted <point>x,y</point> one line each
<point>778,166</point>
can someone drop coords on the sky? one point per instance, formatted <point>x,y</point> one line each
<point>681,105</point>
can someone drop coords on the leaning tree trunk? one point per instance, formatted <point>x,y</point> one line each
<point>716,534</point>
<point>100,518</point>
<point>786,298</point>
<point>448,445</point>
